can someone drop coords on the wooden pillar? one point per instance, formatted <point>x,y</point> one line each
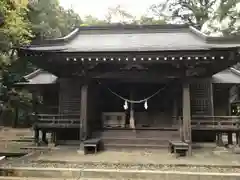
<point>83,112</point>
<point>34,101</point>
<point>187,134</point>
<point>132,119</point>
<point>211,98</point>
<point>175,112</point>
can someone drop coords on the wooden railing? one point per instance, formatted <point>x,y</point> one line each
<point>57,120</point>
<point>197,122</point>
<point>215,122</point>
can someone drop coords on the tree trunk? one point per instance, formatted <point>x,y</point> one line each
<point>15,119</point>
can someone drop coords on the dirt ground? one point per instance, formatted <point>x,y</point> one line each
<point>12,139</point>
<point>202,156</point>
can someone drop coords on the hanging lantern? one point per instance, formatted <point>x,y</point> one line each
<point>145,105</point>
<point>125,106</point>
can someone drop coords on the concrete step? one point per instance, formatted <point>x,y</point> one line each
<point>67,173</point>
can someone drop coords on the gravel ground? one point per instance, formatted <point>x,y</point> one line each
<point>28,162</point>
<point>220,160</point>
<point>132,166</point>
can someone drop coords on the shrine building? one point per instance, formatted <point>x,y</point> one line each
<point>135,85</point>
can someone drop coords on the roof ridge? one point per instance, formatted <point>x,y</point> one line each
<point>33,74</point>
<point>63,39</point>
<point>235,71</point>
<point>214,39</point>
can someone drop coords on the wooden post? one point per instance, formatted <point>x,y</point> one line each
<point>36,136</point>
<point>175,112</point>
<point>83,112</point>
<point>187,133</point>
<point>51,141</point>
<point>219,140</point>
<point>211,99</point>
<point>44,136</point>
<point>132,119</point>
<point>238,139</point>
<point>230,139</point>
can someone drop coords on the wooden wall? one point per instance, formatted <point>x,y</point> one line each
<point>69,96</point>
<point>221,99</point>
<point>93,109</point>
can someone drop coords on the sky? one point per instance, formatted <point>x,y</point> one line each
<point>98,8</point>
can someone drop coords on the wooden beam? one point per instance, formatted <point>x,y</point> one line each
<point>187,134</point>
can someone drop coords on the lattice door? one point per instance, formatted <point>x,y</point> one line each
<point>69,97</point>
<point>201,98</point>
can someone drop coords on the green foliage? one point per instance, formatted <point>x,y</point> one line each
<point>50,20</point>
<point>22,21</point>
<point>192,12</point>
<point>91,20</point>
<point>123,17</point>
<point>13,33</point>
<point>212,16</point>
<point>150,20</point>
<point>16,30</point>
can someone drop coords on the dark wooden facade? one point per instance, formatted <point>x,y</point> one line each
<point>133,61</point>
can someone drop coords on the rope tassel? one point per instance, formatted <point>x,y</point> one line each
<point>125,106</point>
<point>146,105</point>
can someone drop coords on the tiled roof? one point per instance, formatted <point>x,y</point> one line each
<point>39,77</point>
<point>137,38</point>
<point>231,76</point>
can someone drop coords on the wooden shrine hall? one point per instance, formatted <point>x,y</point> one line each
<point>135,86</point>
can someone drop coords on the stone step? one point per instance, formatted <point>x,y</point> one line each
<point>139,133</point>
<point>41,178</point>
<point>115,146</point>
<point>74,173</point>
<point>130,140</point>
<point>39,148</point>
<point>16,140</point>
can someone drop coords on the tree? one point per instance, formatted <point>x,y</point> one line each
<point>49,20</point>
<point>192,12</point>
<point>44,19</point>
<point>91,20</point>
<point>225,19</point>
<point>120,15</point>
<point>145,20</point>
<point>14,32</point>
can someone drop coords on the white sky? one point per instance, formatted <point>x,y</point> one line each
<point>98,8</point>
